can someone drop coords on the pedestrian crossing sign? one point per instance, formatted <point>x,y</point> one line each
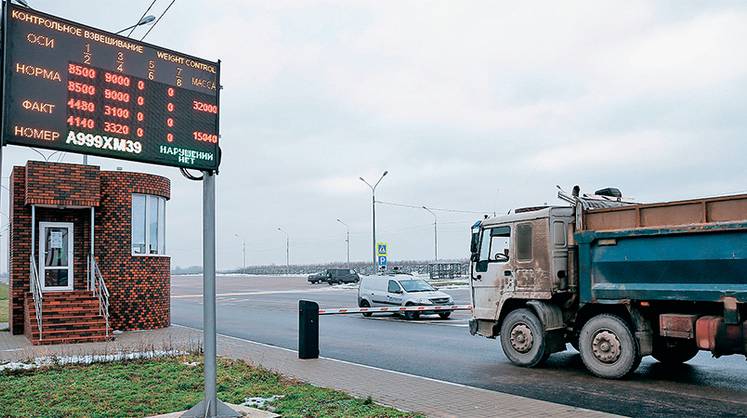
<point>381,249</point>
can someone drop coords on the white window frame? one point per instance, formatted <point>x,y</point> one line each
<point>70,256</point>
<point>147,226</point>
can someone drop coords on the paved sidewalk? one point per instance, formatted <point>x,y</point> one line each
<point>406,392</point>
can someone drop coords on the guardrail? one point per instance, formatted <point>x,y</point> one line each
<point>309,312</point>
<point>35,284</point>
<point>100,291</point>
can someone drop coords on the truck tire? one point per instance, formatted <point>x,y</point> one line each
<point>364,304</point>
<point>523,338</point>
<point>672,351</point>
<point>608,347</point>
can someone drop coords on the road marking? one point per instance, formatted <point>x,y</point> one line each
<point>260,292</point>
<point>414,376</point>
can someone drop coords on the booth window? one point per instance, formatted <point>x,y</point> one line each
<point>148,225</point>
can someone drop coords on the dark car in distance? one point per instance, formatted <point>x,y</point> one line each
<point>334,276</point>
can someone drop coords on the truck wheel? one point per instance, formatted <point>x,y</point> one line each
<point>673,351</point>
<point>365,304</point>
<point>523,338</point>
<point>608,347</point>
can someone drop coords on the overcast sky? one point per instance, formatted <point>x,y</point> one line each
<point>479,106</point>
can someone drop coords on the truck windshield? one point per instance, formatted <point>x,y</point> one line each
<point>416,286</point>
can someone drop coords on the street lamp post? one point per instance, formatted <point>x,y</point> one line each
<point>373,216</point>
<point>347,238</point>
<point>435,234</point>
<point>243,252</point>
<point>287,250</point>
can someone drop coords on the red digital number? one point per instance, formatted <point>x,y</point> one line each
<point>76,87</point>
<point>205,137</point>
<point>141,85</point>
<point>83,105</point>
<point>116,128</point>
<point>116,112</point>
<point>204,107</point>
<point>80,122</point>
<point>80,70</point>
<point>117,79</point>
<point>118,96</point>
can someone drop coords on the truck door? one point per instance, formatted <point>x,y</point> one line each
<point>492,272</point>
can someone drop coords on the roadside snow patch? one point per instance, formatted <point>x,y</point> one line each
<point>87,359</point>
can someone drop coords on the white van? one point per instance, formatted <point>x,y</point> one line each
<point>401,290</point>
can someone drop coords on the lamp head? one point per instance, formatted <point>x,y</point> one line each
<point>146,19</point>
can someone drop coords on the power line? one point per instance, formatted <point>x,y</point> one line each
<point>158,20</point>
<point>141,18</point>
<point>405,205</point>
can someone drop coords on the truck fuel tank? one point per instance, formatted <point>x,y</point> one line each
<point>714,335</point>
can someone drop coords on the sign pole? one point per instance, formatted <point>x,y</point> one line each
<point>210,406</point>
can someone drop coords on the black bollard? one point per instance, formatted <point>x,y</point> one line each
<point>308,329</point>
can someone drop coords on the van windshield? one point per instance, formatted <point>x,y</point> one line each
<point>416,286</point>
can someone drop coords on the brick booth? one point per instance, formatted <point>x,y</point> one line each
<point>94,260</point>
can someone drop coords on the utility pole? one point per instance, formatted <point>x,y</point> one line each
<point>287,250</point>
<point>435,234</point>
<point>347,238</point>
<point>373,217</point>
<point>243,252</point>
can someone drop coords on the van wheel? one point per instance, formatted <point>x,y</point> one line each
<point>608,347</point>
<point>671,351</point>
<point>523,338</point>
<point>364,304</point>
<point>411,315</point>
<point>444,315</point>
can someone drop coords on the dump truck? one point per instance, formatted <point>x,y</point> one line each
<point>617,280</point>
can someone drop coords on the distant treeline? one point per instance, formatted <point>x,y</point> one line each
<point>410,266</point>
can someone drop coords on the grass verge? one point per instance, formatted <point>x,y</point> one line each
<point>3,302</point>
<point>142,388</point>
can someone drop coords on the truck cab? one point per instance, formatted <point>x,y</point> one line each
<point>519,256</point>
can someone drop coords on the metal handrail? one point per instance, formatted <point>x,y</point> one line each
<point>100,291</point>
<point>37,293</point>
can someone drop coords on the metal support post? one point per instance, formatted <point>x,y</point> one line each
<point>210,406</point>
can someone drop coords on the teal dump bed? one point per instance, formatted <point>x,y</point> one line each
<point>686,263</point>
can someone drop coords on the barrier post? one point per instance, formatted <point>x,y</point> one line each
<point>308,329</point>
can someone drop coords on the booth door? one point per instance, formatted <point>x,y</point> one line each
<point>56,256</point>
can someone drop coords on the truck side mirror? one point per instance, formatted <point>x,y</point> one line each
<point>475,257</point>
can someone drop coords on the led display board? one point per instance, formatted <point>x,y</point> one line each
<point>74,88</point>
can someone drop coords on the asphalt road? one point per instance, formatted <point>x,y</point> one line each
<point>265,310</point>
